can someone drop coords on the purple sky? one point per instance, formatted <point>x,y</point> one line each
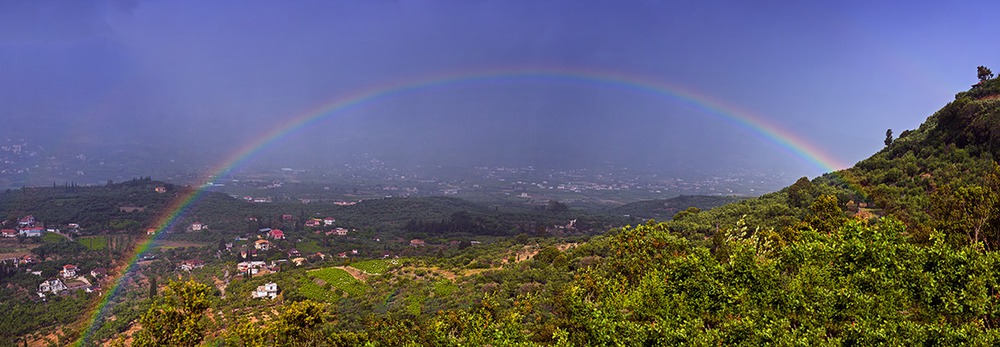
<point>210,76</point>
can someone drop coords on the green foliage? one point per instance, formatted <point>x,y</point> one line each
<point>315,292</point>
<point>94,243</point>
<point>175,319</point>
<point>983,73</point>
<point>52,238</point>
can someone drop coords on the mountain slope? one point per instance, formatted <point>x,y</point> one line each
<point>947,164</point>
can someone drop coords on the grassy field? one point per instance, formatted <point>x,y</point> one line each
<point>339,279</point>
<point>94,243</point>
<point>372,267</point>
<point>52,238</point>
<point>308,247</point>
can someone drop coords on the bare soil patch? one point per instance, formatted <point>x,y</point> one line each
<point>357,274</point>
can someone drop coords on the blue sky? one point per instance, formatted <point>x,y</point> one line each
<point>209,76</point>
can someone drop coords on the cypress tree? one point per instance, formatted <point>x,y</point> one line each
<point>152,287</point>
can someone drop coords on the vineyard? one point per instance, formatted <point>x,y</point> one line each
<point>339,279</point>
<point>373,267</point>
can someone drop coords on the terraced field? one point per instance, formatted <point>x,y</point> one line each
<point>339,279</point>
<point>372,267</point>
<point>310,289</point>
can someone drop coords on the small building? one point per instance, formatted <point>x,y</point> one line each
<point>53,286</point>
<point>150,231</point>
<point>99,273</point>
<point>340,232</point>
<point>251,267</point>
<point>160,189</point>
<point>294,253</point>
<point>286,217</point>
<point>277,234</point>
<point>268,290</point>
<point>32,231</point>
<point>130,209</point>
<point>312,223</point>
<point>73,226</point>
<point>417,243</point>
<point>8,233</point>
<point>192,264</point>
<point>26,221</point>
<point>69,271</point>
<point>262,245</point>
<point>197,226</point>
<point>328,221</point>
<point>28,259</point>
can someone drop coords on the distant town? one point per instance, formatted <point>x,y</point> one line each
<point>365,177</point>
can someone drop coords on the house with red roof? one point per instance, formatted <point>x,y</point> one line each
<point>8,233</point>
<point>32,231</point>
<point>277,234</point>
<point>192,264</point>
<point>26,221</point>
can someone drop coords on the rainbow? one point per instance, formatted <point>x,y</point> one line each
<point>764,129</point>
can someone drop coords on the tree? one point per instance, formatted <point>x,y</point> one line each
<point>175,318</point>
<point>801,193</point>
<point>984,73</point>
<point>152,287</point>
<point>888,137</point>
<point>297,324</point>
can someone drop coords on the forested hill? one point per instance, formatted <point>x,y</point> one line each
<point>942,175</point>
<point>124,206</point>
<point>665,209</point>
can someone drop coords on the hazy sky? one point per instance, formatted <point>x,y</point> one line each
<point>215,76</point>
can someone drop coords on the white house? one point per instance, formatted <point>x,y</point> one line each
<point>268,290</point>
<point>53,286</point>
<point>32,231</point>
<point>192,264</point>
<point>68,271</point>
<point>252,266</point>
